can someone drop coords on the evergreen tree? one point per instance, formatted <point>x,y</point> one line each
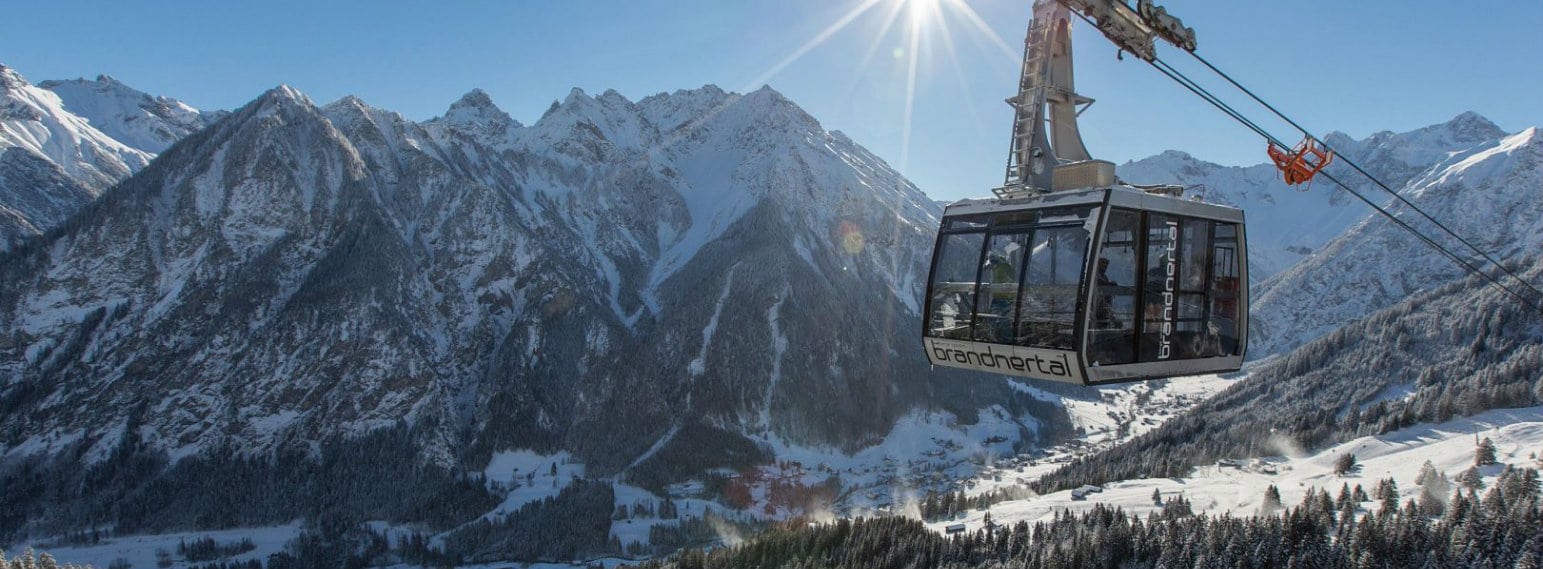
<point>1471,479</point>
<point>1272,502</point>
<point>1345,497</point>
<point>1431,503</point>
<point>1427,474</point>
<point>1387,495</point>
<point>1484,453</point>
<point>1344,464</point>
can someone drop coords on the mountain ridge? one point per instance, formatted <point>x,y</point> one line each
<point>1288,224</point>
<point>295,273</point>
<point>68,141</point>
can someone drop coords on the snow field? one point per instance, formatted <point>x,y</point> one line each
<point>1517,433</point>
<point>527,477</point>
<point>140,550</point>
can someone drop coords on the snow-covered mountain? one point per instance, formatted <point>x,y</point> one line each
<point>1454,350</point>
<point>651,285</point>
<point>52,161</point>
<point>142,121</point>
<point>1490,193</point>
<point>1287,224</point>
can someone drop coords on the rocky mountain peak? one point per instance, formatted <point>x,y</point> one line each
<point>285,103</point>
<point>348,106</point>
<point>614,98</point>
<point>142,121</point>
<point>10,78</point>
<point>476,110</point>
<point>1473,126</point>
<point>669,111</point>
<point>475,101</point>
<point>771,102</point>
<point>475,98</point>
<point>284,96</point>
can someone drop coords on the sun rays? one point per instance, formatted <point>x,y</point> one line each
<point>923,30</point>
<point>813,42</point>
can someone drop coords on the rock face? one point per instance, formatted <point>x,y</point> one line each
<point>625,280</point>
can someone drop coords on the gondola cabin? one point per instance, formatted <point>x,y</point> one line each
<point>1093,286</point>
<point>1069,274</point>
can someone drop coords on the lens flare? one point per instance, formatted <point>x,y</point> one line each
<point>852,240</point>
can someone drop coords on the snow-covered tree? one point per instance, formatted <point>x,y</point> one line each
<point>1344,464</point>
<point>1471,479</point>
<point>1271,502</point>
<point>1484,453</point>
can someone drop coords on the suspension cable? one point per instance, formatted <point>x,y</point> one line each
<point>1184,80</point>
<point>1215,101</point>
<point>1357,167</point>
<point>1225,108</point>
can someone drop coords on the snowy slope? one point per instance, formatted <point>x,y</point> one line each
<point>52,161</point>
<point>1517,434</point>
<point>35,119</point>
<point>35,194</point>
<point>1489,194</point>
<point>603,282</point>
<point>140,550</point>
<point>1288,224</point>
<point>135,118</point>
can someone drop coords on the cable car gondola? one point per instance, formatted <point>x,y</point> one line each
<point>1068,274</point>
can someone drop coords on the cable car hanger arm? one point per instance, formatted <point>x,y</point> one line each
<point>1134,30</point>
<point>1035,152</point>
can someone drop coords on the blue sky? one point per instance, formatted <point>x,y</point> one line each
<point>1357,67</point>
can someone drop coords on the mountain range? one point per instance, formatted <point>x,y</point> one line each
<point>647,284</point>
<point>661,287</point>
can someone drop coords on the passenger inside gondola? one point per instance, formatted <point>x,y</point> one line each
<point>954,284</point>
<point>1105,317</point>
<point>999,277</point>
<point>1112,332</point>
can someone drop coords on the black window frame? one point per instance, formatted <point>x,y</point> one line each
<point>944,231</point>
<point>1018,222</point>
<point>1207,293</point>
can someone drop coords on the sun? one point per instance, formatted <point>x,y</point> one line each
<point>922,13</point>
<point>926,24</point>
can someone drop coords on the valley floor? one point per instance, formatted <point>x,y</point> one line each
<point>140,551</point>
<point>929,451</point>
